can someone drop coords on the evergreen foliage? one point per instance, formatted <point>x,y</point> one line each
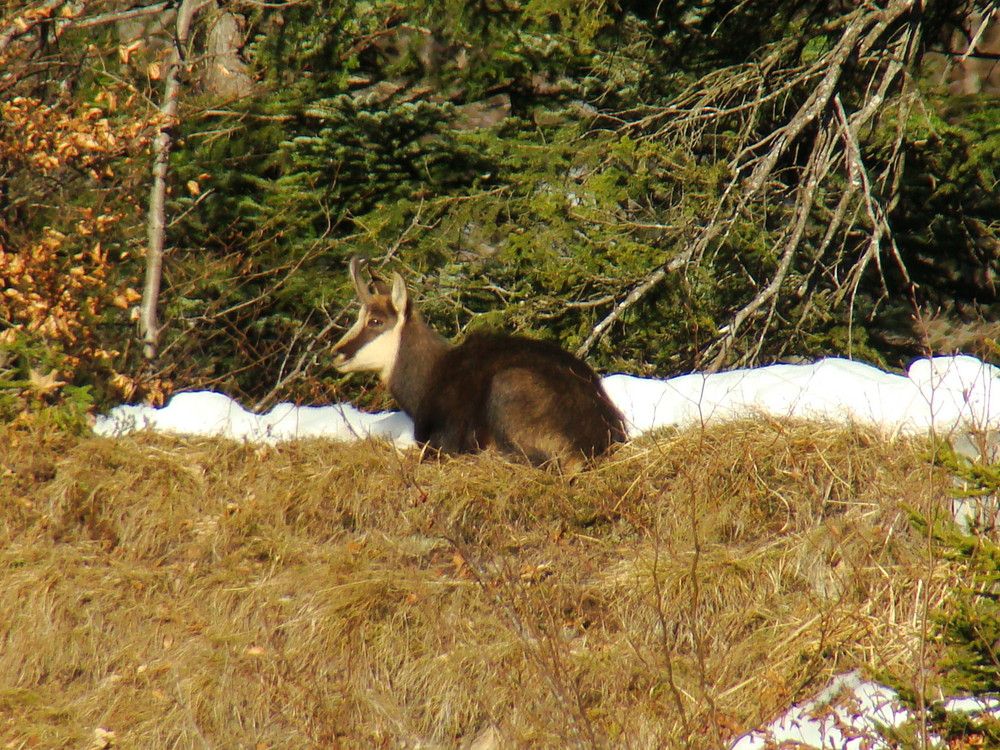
<point>967,630</point>
<point>534,166</point>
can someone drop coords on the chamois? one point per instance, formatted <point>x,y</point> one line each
<point>518,395</point>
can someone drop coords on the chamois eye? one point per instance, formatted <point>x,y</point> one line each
<point>375,323</point>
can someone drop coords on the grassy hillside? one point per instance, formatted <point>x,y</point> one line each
<point>170,593</point>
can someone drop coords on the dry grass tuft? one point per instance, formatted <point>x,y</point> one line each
<point>195,593</point>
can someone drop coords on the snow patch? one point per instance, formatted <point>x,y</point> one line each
<point>846,715</point>
<point>951,396</point>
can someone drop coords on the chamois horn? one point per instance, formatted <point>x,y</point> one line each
<point>354,267</point>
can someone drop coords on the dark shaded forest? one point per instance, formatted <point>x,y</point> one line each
<point>660,189</point>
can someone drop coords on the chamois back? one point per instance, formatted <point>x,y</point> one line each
<point>519,395</point>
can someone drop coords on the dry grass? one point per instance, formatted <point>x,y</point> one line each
<point>205,594</point>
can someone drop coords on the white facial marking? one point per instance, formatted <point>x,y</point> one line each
<point>378,354</point>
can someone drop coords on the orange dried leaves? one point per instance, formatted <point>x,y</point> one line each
<point>47,291</point>
<point>58,283</point>
<point>48,138</point>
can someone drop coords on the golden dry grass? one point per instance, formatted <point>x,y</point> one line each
<point>205,594</point>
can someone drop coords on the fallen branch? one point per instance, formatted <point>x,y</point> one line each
<point>819,165</point>
<point>870,38</point>
<point>619,309</point>
<point>119,16</point>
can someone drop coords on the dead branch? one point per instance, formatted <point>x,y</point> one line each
<point>71,17</point>
<point>26,21</point>
<point>870,39</point>
<point>619,309</point>
<point>816,103</point>
<point>118,16</point>
<point>820,163</point>
<point>308,356</point>
<point>978,35</point>
<point>149,327</point>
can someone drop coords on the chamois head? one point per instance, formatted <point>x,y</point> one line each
<point>373,341</point>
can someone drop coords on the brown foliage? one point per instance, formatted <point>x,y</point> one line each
<point>43,297</point>
<point>56,286</point>
<point>160,592</point>
<point>48,138</point>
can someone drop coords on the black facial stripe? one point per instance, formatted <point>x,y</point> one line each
<point>352,347</point>
<point>380,310</point>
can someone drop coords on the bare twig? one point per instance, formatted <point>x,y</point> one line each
<point>665,646</point>
<point>26,21</point>
<point>301,362</point>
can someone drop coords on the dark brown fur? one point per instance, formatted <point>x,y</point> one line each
<point>518,395</point>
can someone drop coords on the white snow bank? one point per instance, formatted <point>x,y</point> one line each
<point>950,395</point>
<point>207,413</point>
<point>940,393</point>
<point>846,715</point>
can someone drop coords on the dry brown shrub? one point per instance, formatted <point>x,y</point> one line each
<point>195,593</point>
<point>64,277</point>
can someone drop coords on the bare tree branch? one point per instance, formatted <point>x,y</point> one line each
<point>149,327</point>
<point>118,16</point>
<point>26,21</point>
<point>630,299</point>
<point>819,165</point>
<point>871,40</point>
<point>72,17</point>
<point>978,35</point>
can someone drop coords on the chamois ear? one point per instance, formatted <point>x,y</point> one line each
<point>400,297</point>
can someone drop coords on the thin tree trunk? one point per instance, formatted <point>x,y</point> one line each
<point>149,327</point>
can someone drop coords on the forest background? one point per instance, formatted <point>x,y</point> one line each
<point>660,187</point>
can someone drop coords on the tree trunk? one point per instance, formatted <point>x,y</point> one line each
<point>225,76</point>
<point>149,327</point>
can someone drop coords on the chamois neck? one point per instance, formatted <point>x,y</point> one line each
<point>420,348</point>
